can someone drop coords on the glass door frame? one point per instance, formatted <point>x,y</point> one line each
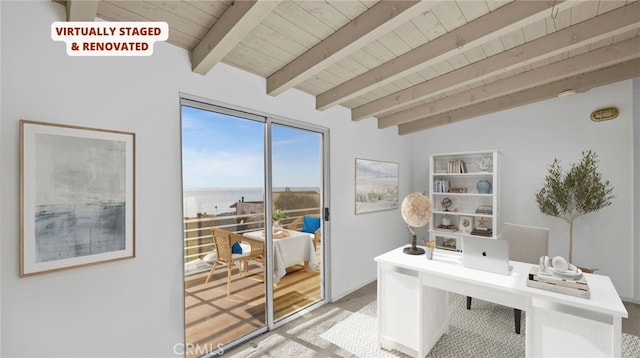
<point>324,209</point>
<point>268,120</point>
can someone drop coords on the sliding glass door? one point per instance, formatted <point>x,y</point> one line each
<point>223,190</point>
<point>296,172</point>
<point>253,232</point>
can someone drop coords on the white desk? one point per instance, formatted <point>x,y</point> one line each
<point>413,306</point>
<point>289,251</point>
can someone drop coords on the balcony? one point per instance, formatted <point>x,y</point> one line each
<point>211,318</point>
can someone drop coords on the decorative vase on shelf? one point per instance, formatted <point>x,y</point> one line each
<point>483,186</point>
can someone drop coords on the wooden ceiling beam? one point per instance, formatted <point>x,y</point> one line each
<point>368,26</point>
<point>82,10</point>
<point>600,58</point>
<point>484,28</point>
<point>606,25</point>
<point>580,83</point>
<point>232,27</point>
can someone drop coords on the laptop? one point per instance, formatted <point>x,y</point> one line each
<point>486,254</point>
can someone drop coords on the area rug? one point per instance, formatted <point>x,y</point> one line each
<point>276,346</point>
<point>295,339</point>
<point>485,331</point>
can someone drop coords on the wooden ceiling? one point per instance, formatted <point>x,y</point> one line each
<point>411,64</point>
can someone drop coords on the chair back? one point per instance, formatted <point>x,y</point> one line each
<point>295,225</point>
<point>223,244</point>
<point>526,243</point>
<point>298,223</point>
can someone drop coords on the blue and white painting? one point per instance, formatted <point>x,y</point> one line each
<point>377,186</point>
<point>80,197</point>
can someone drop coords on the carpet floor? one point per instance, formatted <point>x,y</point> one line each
<point>484,331</point>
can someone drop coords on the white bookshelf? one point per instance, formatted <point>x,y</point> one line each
<point>454,177</point>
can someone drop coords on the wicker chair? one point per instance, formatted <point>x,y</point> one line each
<point>257,248</point>
<point>297,224</point>
<point>224,240</point>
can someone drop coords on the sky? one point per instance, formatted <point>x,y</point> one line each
<point>223,151</point>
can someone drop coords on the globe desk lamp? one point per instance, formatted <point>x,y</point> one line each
<point>416,212</point>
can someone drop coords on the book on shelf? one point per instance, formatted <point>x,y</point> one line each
<point>440,186</point>
<point>458,190</point>
<point>482,232</point>
<point>485,209</point>
<point>457,166</point>
<point>578,288</point>
<point>486,212</point>
<point>447,228</point>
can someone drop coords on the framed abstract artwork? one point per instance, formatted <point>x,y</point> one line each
<point>77,196</point>
<point>377,186</point>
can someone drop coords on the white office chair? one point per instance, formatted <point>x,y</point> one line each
<point>526,244</point>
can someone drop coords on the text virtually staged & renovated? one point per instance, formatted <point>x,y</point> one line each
<point>342,177</point>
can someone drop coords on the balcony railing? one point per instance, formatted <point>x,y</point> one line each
<point>198,240</point>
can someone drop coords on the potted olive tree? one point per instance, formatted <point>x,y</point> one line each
<point>580,191</point>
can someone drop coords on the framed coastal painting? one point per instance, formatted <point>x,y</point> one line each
<point>377,186</point>
<point>77,196</point>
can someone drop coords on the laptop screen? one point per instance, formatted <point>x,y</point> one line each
<point>485,254</point>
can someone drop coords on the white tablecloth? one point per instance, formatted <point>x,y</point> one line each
<point>289,251</point>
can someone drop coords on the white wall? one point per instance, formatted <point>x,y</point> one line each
<point>1,180</point>
<point>636,188</point>
<point>529,138</point>
<point>134,307</point>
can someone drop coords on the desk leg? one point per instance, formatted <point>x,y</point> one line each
<point>434,311</point>
<point>617,337</point>
<point>399,325</point>
<point>529,326</point>
<point>306,265</point>
<point>411,316</point>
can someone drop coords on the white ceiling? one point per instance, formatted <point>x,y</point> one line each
<point>411,64</point>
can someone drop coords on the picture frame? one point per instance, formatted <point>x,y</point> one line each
<point>77,196</point>
<point>376,185</point>
<point>465,224</point>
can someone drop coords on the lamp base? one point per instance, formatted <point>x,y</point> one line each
<point>413,251</point>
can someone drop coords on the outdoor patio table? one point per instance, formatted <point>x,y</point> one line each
<point>295,248</point>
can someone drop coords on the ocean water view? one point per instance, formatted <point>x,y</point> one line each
<point>216,201</point>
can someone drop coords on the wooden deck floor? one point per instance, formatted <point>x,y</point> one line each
<point>212,320</point>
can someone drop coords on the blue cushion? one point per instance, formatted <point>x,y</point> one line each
<point>236,248</point>
<point>310,224</point>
